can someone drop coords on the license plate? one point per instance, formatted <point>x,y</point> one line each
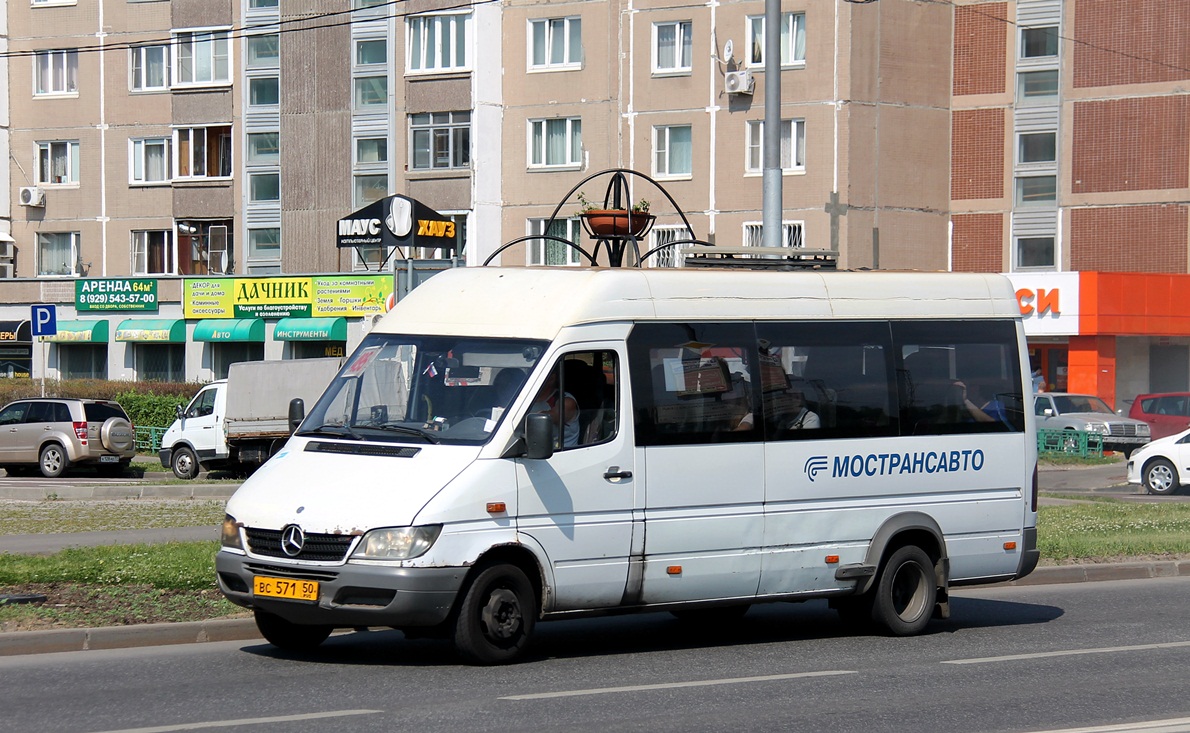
<point>297,590</point>
<point>109,459</point>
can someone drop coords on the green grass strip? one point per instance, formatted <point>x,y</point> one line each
<point>173,565</point>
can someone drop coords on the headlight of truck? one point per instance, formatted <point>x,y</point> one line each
<point>397,543</point>
<point>231,533</point>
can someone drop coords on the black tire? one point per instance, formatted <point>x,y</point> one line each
<point>184,463</point>
<point>905,593</point>
<point>53,460</point>
<point>497,616</point>
<point>1160,477</point>
<point>288,636</point>
<point>717,616</point>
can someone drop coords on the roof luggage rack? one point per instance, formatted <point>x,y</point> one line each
<point>763,258</point>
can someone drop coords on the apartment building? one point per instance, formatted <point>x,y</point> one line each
<point>1070,170</point>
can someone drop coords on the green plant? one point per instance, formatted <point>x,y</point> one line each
<point>586,205</point>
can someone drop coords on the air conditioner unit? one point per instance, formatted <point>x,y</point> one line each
<point>738,82</point>
<point>5,270</point>
<point>5,250</point>
<point>32,196</point>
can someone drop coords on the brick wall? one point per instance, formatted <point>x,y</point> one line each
<point>1148,42</point>
<point>978,243</point>
<point>1131,144</point>
<point>977,154</point>
<point>1148,238</point>
<point>980,48</point>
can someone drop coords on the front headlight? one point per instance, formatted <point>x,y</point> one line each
<point>231,534</point>
<point>1142,431</point>
<point>397,543</point>
<point>1097,427</point>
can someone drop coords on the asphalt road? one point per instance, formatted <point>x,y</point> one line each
<point>1038,658</point>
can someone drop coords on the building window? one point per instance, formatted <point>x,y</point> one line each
<point>371,257</point>
<point>264,248</point>
<point>1037,87</point>
<point>58,253</point>
<point>672,47</point>
<point>792,234</point>
<point>551,251</point>
<point>371,93</point>
<point>264,187</point>
<point>793,146</point>
<point>669,256</point>
<point>150,68</point>
<point>264,52</point>
<point>257,4</point>
<point>793,39</point>
<point>78,361</point>
<point>371,52</point>
<point>1034,252</point>
<point>1037,147</point>
<point>202,57</point>
<point>557,43</point>
<point>263,148</point>
<point>1039,42</point>
<point>440,140</point>
<point>150,160</point>
<point>152,253</point>
<point>438,42</point>
<point>371,150</point>
<point>264,91</point>
<point>56,72</point>
<point>556,143</point>
<point>58,162</point>
<point>672,151</point>
<point>205,247</point>
<point>1036,190</point>
<point>160,362</point>
<point>203,152</point>
<point>369,188</point>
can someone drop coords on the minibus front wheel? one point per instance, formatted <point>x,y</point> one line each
<point>905,593</point>
<point>497,615</point>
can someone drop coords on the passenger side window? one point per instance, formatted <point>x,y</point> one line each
<point>14,414</point>
<point>204,404</point>
<point>580,396</point>
<point>694,383</point>
<point>821,380</point>
<point>40,412</point>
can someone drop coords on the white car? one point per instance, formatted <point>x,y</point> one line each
<point>1163,465</point>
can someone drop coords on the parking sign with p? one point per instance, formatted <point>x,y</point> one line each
<point>45,320</point>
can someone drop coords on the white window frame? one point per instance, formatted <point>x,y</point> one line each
<point>538,144</point>
<point>71,148</point>
<point>202,42</point>
<point>1023,164</point>
<point>256,175</point>
<point>683,62</point>
<point>355,46</point>
<point>250,80</point>
<point>1057,42</point>
<point>356,88</point>
<point>256,260</point>
<point>793,234</point>
<point>424,42</point>
<point>63,62</point>
<point>662,145</point>
<point>793,142</point>
<point>74,254</point>
<point>1016,252</point>
<point>251,62</point>
<point>273,160</point>
<point>672,256</point>
<point>137,148</point>
<point>451,129</point>
<point>369,165</point>
<point>137,78</point>
<point>1037,100</point>
<point>177,169</point>
<point>535,249</point>
<point>793,25</point>
<point>357,200</point>
<point>139,264</point>
<point>572,58</point>
<point>1018,192</point>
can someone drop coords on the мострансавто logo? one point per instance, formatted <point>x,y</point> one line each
<point>888,464</point>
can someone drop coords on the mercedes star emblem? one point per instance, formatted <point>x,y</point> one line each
<point>292,540</point>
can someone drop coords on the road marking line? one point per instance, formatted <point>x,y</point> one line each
<point>245,721</point>
<point>1071,652</point>
<point>675,685</point>
<point>1169,725</point>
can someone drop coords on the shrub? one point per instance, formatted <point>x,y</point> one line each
<point>148,404</point>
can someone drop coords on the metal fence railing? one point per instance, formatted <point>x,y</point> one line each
<point>148,439</point>
<point>1072,442</point>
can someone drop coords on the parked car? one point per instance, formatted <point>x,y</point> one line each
<point>1163,465</point>
<point>54,434</point>
<point>1167,413</point>
<point>1066,411</point>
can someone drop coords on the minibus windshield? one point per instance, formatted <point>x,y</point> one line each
<point>424,389</point>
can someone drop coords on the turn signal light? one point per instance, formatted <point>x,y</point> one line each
<point>674,570</point>
<point>832,559</point>
<point>496,507</point>
<point>1009,545</point>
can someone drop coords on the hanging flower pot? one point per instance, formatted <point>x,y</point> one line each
<point>617,222</point>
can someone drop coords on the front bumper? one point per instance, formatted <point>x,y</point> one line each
<point>349,595</point>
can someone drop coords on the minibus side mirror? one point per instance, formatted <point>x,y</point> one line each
<point>1048,412</point>
<point>297,413</point>
<point>179,412</point>
<point>539,436</point>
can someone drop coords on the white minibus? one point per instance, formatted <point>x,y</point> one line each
<point>512,445</point>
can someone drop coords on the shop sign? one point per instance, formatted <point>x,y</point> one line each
<point>286,297</point>
<point>1048,302</point>
<point>117,294</point>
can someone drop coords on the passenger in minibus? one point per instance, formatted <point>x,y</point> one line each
<point>548,401</point>
<point>800,416</point>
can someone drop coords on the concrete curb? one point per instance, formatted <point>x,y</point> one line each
<point>244,629</point>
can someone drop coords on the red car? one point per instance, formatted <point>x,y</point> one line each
<point>1167,413</point>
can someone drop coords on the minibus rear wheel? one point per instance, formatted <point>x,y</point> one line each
<point>906,592</point>
<point>290,636</point>
<point>496,616</point>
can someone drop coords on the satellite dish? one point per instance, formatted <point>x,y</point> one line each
<point>728,50</point>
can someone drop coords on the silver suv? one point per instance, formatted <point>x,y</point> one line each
<point>54,434</point>
<point>1065,411</point>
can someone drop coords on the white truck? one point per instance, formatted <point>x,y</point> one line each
<point>238,423</point>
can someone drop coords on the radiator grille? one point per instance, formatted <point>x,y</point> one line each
<point>318,547</point>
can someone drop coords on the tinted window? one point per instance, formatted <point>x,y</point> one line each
<point>42,412</point>
<point>14,414</point>
<point>101,411</point>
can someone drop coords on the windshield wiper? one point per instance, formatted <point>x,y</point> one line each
<point>407,430</point>
<point>339,431</point>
